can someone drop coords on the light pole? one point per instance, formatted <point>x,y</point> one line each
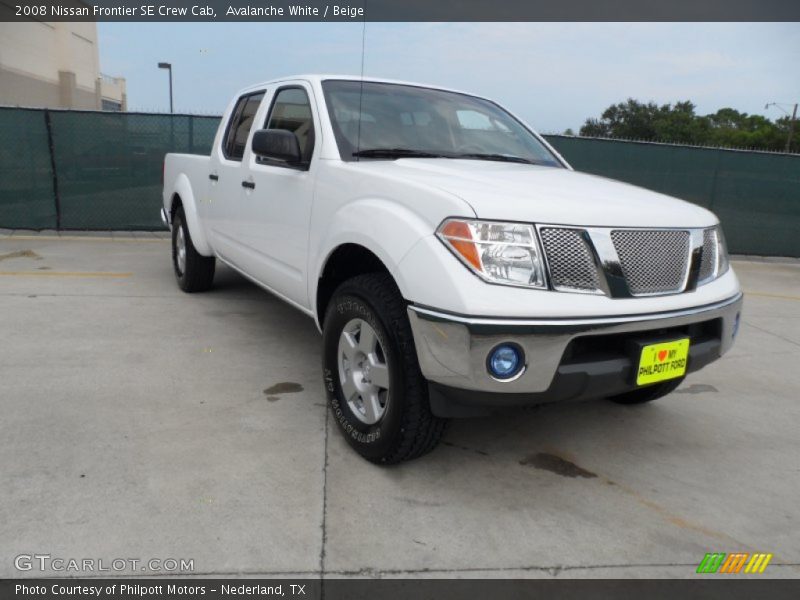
<point>168,66</point>
<point>792,121</point>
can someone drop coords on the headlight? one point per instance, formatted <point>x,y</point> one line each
<point>505,253</point>
<point>723,262</point>
<point>715,255</point>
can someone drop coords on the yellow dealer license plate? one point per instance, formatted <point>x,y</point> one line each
<point>662,361</point>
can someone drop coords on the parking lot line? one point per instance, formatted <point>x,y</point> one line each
<point>64,274</point>
<point>85,238</point>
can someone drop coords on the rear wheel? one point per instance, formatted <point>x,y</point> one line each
<point>194,272</point>
<point>647,394</point>
<point>375,388</point>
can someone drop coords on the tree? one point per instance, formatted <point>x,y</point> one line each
<point>630,119</point>
<point>678,123</point>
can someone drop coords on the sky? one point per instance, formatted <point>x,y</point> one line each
<point>553,75</point>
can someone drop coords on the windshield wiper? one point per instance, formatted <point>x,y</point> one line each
<point>498,157</point>
<point>397,153</point>
<point>411,153</point>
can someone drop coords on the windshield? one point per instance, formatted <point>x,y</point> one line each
<point>403,121</point>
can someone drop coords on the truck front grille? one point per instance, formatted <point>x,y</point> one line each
<point>569,258</point>
<point>653,261</point>
<point>627,262</point>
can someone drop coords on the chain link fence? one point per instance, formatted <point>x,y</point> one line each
<point>99,170</point>
<point>26,172</point>
<point>756,195</point>
<point>107,166</point>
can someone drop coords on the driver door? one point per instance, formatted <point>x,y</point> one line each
<point>277,198</point>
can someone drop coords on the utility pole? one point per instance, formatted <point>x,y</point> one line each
<point>791,128</point>
<point>168,66</point>
<point>792,121</point>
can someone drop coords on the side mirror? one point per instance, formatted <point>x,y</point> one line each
<point>277,144</point>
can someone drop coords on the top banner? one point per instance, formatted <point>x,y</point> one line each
<point>402,10</point>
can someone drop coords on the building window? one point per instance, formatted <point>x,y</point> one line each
<point>111,105</point>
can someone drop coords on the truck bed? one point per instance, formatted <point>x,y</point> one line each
<point>195,167</point>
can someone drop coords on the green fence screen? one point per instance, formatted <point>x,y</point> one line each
<point>756,195</point>
<point>107,170</point>
<point>26,175</point>
<point>108,166</point>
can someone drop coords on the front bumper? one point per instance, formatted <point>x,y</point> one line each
<point>564,358</point>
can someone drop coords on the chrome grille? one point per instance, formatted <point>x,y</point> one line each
<point>709,260</point>
<point>652,261</point>
<point>569,259</point>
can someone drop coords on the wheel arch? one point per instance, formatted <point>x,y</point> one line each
<point>182,196</point>
<point>343,262</point>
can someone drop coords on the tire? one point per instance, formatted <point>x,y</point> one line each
<point>194,272</point>
<point>383,426</point>
<point>647,394</point>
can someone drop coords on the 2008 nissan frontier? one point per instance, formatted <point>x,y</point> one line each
<point>454,262</point>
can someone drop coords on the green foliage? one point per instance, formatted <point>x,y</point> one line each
<point>678,123</point>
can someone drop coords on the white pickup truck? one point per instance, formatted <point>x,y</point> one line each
<point>452,259</point>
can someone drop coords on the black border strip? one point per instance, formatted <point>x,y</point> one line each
<point>407,10</point>
<point>708,587</point>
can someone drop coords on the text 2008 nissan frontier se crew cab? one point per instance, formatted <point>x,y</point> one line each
<point>454,262</point>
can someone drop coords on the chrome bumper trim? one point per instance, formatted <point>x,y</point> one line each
<point>452,349</point>
<point>434,315</point>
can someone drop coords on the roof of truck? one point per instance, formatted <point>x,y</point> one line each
<point>318,77</point>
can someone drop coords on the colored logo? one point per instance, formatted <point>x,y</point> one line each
<point>737,562</point>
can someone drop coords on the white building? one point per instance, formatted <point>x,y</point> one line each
<point>55,65</point>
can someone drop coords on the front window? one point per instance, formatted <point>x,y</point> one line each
<point>292,111</point>
<point>386,120</point>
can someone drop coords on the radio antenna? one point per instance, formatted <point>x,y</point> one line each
<point>361,90</point>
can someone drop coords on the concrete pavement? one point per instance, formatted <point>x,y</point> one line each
<point>141,422</point>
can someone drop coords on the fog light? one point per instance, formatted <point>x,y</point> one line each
<point>505,361</point>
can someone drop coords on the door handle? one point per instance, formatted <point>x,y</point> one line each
<point>249,185</point>
<point>213,177</point>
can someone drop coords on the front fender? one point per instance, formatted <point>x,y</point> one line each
<point>183,189</point>
<point>385,228</point>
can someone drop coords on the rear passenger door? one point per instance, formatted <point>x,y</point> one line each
<point>226,175</point>
<point>277,201</point>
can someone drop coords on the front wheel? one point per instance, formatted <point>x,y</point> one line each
<point>375,388</point>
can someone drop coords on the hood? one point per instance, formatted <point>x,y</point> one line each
<point>539,194</point>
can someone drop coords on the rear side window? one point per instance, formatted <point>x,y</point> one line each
<point>240,124</point>
<point>291,111</point>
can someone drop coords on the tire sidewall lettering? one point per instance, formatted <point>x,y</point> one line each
<point>348,308</point>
